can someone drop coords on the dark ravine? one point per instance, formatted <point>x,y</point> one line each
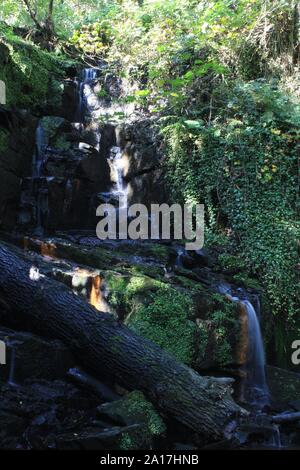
<point>76,164</point>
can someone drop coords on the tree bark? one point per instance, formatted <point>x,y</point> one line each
<point>32,14</point>
<point>46,27</point>
<point>286,418</point>
<point>107,348</point>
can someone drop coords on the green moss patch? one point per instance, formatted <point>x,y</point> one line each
<point>28,72</point>
<point>134,409</point>
<point>156,311</point>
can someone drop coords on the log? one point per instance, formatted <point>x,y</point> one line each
<point>286,418</point>
<point>108,349</point>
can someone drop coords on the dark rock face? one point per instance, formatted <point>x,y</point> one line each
<point>18,136</point>
<point>284,385</point>
<point>72,174</point>
<point>141,153</point>
<point>29,356</point>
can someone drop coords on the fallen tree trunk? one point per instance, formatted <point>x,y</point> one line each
<point>107,348</point>
<point>286,418</point>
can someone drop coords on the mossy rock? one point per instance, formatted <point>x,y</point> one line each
<point>30,73</point>
<point>284,385</point>
<point>130,410</point>
<point>197,326</point>
<point>156,311</point>
<point>218,333</point>
<point>200,328</point>
<point>56,136</point>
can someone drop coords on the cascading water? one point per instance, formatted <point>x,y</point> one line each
<point>39,152</point>
<point>119,189</point>
<point>11,375</point>
<point>87,100</point>
<point>39,191</point>
<point>180,253</point>
<point>256,391</point>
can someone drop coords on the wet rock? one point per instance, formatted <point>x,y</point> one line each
<point>29,356</point>
<point>57,131</point>
<point>147,188</point>
<point>262,434</point>
<point>141,154</point>
<point>102,390</point>
<point>112,85</point>
<point>35,412</point>
<point>69,100</point>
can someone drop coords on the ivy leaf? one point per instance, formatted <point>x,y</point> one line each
<point>194,124</point>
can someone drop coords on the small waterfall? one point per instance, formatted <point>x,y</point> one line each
<point>34,196</point>
<point>86,96</point>
<point>12,365</point>
<point>256,391</point>
<point>39,152</point>
<point>117,165</point>
<point>276,437</point>
<point>180,253</point>
<point>68,197</point>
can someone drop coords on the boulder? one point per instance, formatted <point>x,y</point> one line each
<point>29,356</point>
<point>133,409</point>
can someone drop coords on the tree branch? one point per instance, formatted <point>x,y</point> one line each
<point>32,13</point>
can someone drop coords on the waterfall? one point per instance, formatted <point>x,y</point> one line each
<point>12,365</point>
<point>38,187</point>
<point>39,151</point>
<point>180,253</point>
<point>86,97</point>
<point>117,164</point>
<point>256,391</point>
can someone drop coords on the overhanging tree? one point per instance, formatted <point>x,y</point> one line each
<point>45,26</point>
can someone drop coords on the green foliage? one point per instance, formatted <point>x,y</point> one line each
<point>244,167</point>
<point>165,321</point>
<point>135,407</point>
<point>219,333</point>
<point>93,38</point>
<point>27,71</point>
<point>230,264</point>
